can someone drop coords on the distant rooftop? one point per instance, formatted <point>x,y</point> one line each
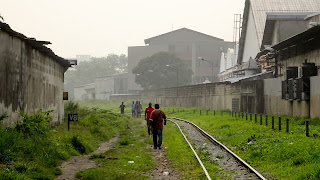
<point>147,41</point>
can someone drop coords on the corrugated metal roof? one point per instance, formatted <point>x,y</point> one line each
<point>261,7</point>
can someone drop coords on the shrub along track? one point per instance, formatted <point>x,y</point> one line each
<point>219,153</point>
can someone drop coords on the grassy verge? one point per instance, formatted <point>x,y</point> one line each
<point>274,153</point>
<point>32,150</point>
<point>129,159</point>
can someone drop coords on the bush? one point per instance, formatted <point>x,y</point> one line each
<point>78,145</point>
<point>70,107</point>
<point>36,124</point>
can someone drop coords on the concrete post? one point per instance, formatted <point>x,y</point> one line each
<point>279,123</point>
<point>307,128</point>
<point>266,120</point>
<point>255,117</point>
<point>272,122</point>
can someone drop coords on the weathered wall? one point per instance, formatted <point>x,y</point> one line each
<point>274,104</point>
<point>209,96</point>
<point>252,96</point>
<point>125,97</point>
<point>84,92</point>
<point>29,80</point>
<point>315,96</point>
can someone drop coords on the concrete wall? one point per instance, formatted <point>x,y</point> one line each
<point>209,96</point>
<point>104,87</point>
<point>84,92</point>
<point>315,96</point>
<point>274,104</point>
<point>29,80</point>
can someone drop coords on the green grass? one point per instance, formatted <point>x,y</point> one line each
<point>273,153</point>
<point>32,150</point>
<point>114,164</point>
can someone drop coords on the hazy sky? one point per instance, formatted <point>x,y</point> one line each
<point>100,27</point>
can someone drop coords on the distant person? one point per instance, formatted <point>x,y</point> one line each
<point>147,115</point>
<point>139,110</point>
<point>122,106</point>
<point>157,116</point>
<point>133,109</point>
<point>136,109</point>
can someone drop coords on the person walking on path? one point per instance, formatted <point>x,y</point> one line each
<point>133,109</point>
<point>136,109</point>
<point>139,110</point>
<point>122,106</point>
<point>147,115</point>
<point>159,118</point>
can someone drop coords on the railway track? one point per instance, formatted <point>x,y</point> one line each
<point>219,153</point>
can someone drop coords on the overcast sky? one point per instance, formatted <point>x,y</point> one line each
<point>100,27</point>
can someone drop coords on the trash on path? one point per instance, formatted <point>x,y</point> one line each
<point>165,173</point>
<point>130,162</point>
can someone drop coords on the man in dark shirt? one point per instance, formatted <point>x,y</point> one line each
<point>122,106</point>
<point>159,118</point>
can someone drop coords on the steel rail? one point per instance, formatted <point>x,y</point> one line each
<point>199,160</point>
<point>224,147</point>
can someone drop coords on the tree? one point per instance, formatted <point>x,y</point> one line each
<point>85,72</point>
<point>162,70</point>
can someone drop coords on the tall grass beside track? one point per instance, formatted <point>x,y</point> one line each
<point>273,153</point>
<point>33,150</point>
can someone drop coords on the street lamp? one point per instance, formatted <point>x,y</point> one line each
<point>177,73</point>
<point>202,59</point>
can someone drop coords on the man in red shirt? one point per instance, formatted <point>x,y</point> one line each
<point>147,115</point>
<point>157,116</point>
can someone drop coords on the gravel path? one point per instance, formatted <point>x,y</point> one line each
<point>226,161</point>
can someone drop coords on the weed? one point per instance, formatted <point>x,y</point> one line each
<point>3,116</point>
<point>97,156</point>
<point>78,145</point>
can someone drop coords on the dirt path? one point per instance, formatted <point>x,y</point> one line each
<point>78,163</point>
<point>164,169</point>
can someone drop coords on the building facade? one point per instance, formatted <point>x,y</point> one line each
<point>31,76</point>
<point>188,45</point>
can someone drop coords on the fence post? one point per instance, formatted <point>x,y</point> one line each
<point>207,112</point>
<point>261,119</point>
<point>307,128</point>
<point>287,129</point>
<point>255,117</point>
<point>242,115</point>
<point>250,116</point>
<point>279,123</point>
<point>246,116</point>
<point>214,112</point>
<point>266,120</point>
<point>232,113</point>
<point>229,113</point>
<point>200,112</point>
<point>272,122</point>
